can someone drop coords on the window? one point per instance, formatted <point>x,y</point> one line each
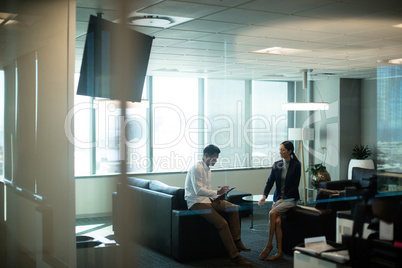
<point>225,109</point>
<point>2,124</point>
<point>83,148</point>
<point>243,118</point>
<point>137,139</point>
<point>175,113</point>
<point>269,122</point>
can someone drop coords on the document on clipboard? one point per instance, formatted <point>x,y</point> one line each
<point>222,196</point>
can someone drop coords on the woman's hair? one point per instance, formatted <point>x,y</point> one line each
<point>289,146</point>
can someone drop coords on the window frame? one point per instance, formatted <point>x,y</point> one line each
<point>149,93</point>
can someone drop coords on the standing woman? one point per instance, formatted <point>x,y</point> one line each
<point>285,174</point>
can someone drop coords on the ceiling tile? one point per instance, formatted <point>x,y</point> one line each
<point>181,9</point>
<point>207,26</point>
<point>383,4</point>
<point>226,3</point>
<point>285,6</point>
<point>350,38</point>
<point>242,16</point>
<point>181,34</point>
<point>339,11</point>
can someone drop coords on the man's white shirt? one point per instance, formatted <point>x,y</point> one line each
<point>198,185</point>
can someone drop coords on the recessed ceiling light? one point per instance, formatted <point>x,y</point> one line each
<point>151,21</point>
<point>396,61</point>
<point>154,20</point>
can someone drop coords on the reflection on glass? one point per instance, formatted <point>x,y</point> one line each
<point>389,118</point>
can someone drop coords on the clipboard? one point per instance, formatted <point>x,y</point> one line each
<point>222,196</point>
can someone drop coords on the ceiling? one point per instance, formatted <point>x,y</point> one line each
<point>349,38</point>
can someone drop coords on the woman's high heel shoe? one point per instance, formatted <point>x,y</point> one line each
<point>276,257</point>
<point>266,252</point>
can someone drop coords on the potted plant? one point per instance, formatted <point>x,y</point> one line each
<point>360,158</point>
<point>319,172</point>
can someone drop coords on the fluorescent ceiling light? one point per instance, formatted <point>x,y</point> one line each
<point>270,50</point>
<point>278,51</point>
<point>397,25</point>
<point>305,106</point>
<point>396,61</point>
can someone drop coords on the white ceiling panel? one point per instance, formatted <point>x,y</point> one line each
<point>381,33</point>
<point>207,26</point>
<point>180,34</point>
<point>242,16</point>
<point>343,39</point>
<point>379,43</point>
<point>379,20</point>
<point>350,38</point>
<point>181,9</point>
<point>165,42</point>
<point>340,11</point>
<point>226,3</point>
<point>385,4</point>
<point>285,6</point>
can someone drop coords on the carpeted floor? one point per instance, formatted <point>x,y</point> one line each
<point>255,239</point>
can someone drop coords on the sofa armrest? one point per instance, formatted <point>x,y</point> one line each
<point>335,185</point>
<point>147,216</point>
<point>363,175</point>
<point>302,222</point>
<point>187,227</point>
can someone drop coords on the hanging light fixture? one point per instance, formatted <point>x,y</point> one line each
<point>305,106</point>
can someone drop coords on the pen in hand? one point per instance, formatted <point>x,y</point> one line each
<point>222,189</point>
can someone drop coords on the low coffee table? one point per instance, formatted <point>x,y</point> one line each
<point>255,199</point>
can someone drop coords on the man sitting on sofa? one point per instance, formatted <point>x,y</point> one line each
<point>199,196</point>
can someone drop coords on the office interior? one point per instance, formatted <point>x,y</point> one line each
<point>344,53</point>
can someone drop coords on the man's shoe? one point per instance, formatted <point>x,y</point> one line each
<point>241,261</point>
<point>241,247</point>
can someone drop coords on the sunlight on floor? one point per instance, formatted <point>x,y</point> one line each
<point>94,230</point>
<point>83,228</point>
<point>104,232</point>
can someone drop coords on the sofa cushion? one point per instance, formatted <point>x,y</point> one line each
<point>143,183</point>
<point>177,192</point>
